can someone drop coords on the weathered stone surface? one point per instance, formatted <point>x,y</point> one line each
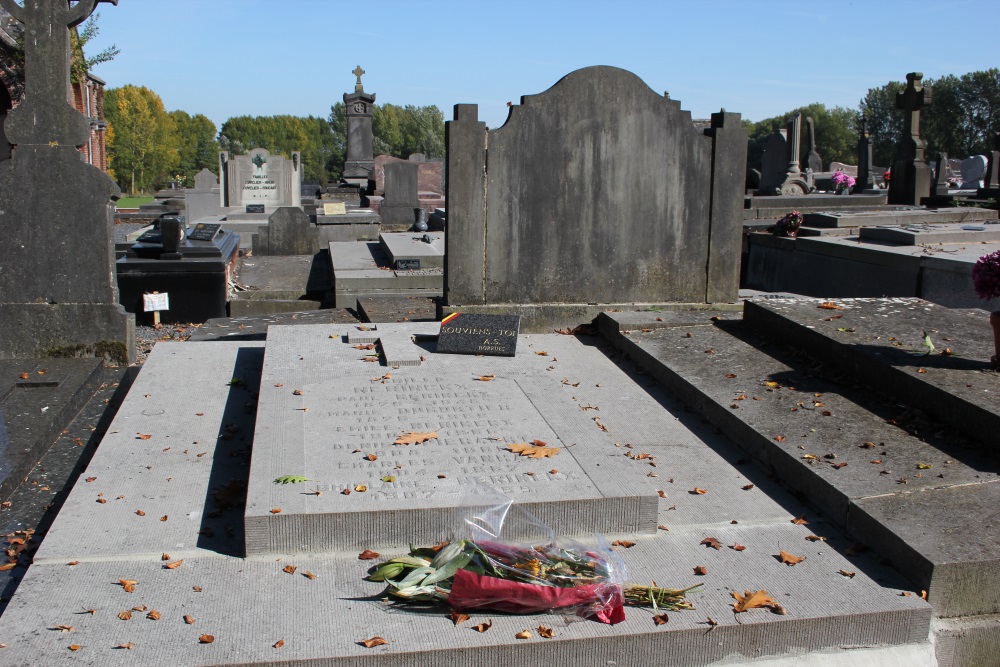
<point>898,217</point>
<point>774,163</point>
<point>911,175</point>
<point>400,194</point>
<point>429,173</point>
<point>202,201</point>
<point>288,232</point>
<point>260,178</point>
<point>599,190</point>
<point>358,162</point>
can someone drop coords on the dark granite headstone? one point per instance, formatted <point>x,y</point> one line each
<point>406,264</point>
<point>774,163</point>
<point>288,232</point>
<point>398,207</point>
<point>813,160</point>
<point>255,208</point>
<point>866,178</point>
<point>57,281</point>
<point>489,335</point>
<point>911,175</point>
<point>204,232</point>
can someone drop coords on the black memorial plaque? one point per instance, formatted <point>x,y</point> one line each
<point>203,232</point>
<point>255,208</point>
<point>407,264</point>
<point>468,333</point>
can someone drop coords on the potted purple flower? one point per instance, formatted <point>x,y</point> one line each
<point>843,182</point>
<point>787,225</point>
<point>986,280</point>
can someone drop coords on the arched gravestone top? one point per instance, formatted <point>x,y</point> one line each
<point>599,191</point>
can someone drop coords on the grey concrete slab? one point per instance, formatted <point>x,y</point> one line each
<point>396,309</point>
<point>249,604</point>
<point>880,341</point>
<point>934,233</point>
<point>411,246</point>
<point>913,216</point>
<point>255,327</point>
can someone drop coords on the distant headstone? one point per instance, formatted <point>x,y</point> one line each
<point>795,184</point>
<point>203,200</point>
<point>359,162</point>
<point>58,295</point>
<point>774,163</point>
<point>940,185</point>
<point>400,194</point>
<point>911,175</point>
<point>993,172</point>
<point>973,172</point>
<point>813,161</point>
<point>575,218</point>
<point>288,232</point>
<point>865,177</point>
<point>429,174</point>
<point>849,169</point>
<point>469,333</point>
<point>264,179</point>
<point>255,208</point>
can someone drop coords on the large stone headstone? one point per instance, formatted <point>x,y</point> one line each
<point>401,199</point>
<point>911,175</point>
<point>202,201</point>
<point>973,172</point>
<point>813,160</point>
<point>774,163</point>
<point>429,173</point>
<point>359,162</point>
<point>288,232</point>
<point>261,178</point>
<point>57,281</point>
<point>597,191</point>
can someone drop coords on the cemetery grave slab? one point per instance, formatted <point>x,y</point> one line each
<point>351,410</point>
<point>811,432</point>
<point>254,327</point>
<point>396,309</point>
<point>367,269</point>
<point>281,284</point>
<point>899,217</point>
<point>323,620</point>
<point>941,233</point>
<point>426,248</point>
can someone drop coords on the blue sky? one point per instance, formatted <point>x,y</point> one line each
<point>227,58</point>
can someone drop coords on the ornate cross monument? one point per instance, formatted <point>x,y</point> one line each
<point>58,291</point>
<point>359,163</point>
<point>796,183</point>
<point>911,175</point>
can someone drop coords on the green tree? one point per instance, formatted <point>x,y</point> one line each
<point>836,134</point>
<point>80,64</point>
<point>143,149</point>
<point>283,135</point>
<point>196,145</point>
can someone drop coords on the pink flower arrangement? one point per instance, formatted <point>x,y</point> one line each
<point>986,275</point>
<point>842,180</point>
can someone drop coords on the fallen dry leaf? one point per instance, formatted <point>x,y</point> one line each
<point>173,565</point>
<point>153,615</point>
<point>483,627</point>
<point>140,513</point>
<point>276,510</point>
<point>547,633</point>
<point>75,647</point>
<point>800,520</point>
<point>165,556</point>
<point>830,305</point>
<point>64,628</point>
<point>738,547</point>
<point>128,584</point>
<point>523,634</point>
<point>661,494</point>
<point>373,642</point>
<point>711,542</point>
<point>279,643</point>
<point>458,618</point>
<point>91,479</point>
<point>847,573</point>
<point>789,559</point>
<point>125,615</point>
<point>361,488</point>
<point>206,639</point>
<point>700,570</point>
<point>486,378</point>
<point>371,457</point>
<point>126,645</point>
<point>189,619</point>
<point>309,575</point>
<point>698,492</point>
<point>289,569</point>
<point>815,538</point>
<point>164,517</point>
<point>749,600</point>
<point>73,562</point>
<point>623,543</point>
<point>414,438</point>
<point>536,450</point>
<point>23,376</point>
<point>368,554</point>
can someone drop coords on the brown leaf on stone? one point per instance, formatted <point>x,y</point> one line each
<point>373,642</point>
<point>661,619</point>
<point>206,639</point>
<point>711,542</point>
<point>661,493</point>
<point>738,547</point>
<point>309,575</point>
<point>144,436</point>
<point>126,645</point>
<point>296,392</point>
<point>368,554</point>
<point>789,559</point>
<point>173,565</point>
<point>701,570</point>
<point>346,492</point>
<point>698,492</point>
<point>731,375</point>
<point>73,562</point>
<point>276,510</point>
<point>547,633</point>
<point>279,643</point>
<point>414,438</point>
<point>536,450</point>
<point>815,538</point>
<point>125,615</point>
<point>153,615</point>
<point>542,354</point>
<point>486,378</point>
<point>289,569</point>
<point>779,438</point>
<point>196,589</point>
<point>189,619</point>
<point>91,479</point>
<point>483,627</point>
<point>458,618</point>
<point>64,628</point>
<point>623,543</point>
<point>750,600</point>
<point>165,557</point>
<point>128,584</point>
<point>23,376</point>
<point>523,634</point>
<point>164,517</point>
<point>371,457</point>
<point>829,305</point>
<point>800,521</point>
<point>75,647</point>
<point>597,420</point>
<point>140,513</point>
<point>847,573</point>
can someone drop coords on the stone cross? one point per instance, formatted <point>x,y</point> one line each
<point>865,177</point>
<point>45,116</point>
<point>358,87</point>
<point>912,100</point>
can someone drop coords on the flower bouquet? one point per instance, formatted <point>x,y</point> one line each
<point>986,281</point>
<point>470,575</point>
<point>788,225</point>
<point>843,181</point>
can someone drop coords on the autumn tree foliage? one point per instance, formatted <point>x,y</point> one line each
<point>142,144</point>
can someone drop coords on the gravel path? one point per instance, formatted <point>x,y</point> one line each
<point>146,337</point>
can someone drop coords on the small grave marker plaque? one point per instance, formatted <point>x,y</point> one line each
<point>154,302</point>
<point>407,264</point>
<point>334,208</point>
<point>255,208</point>
<point>491,335</point>
<point>204,232</point>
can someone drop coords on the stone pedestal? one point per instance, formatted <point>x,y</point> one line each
<point>359,163</point>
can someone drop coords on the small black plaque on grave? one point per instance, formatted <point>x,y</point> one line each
<point>203,232</point>
<point>255,208</point>
<point>469,333</point>
<point>407,264</point>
